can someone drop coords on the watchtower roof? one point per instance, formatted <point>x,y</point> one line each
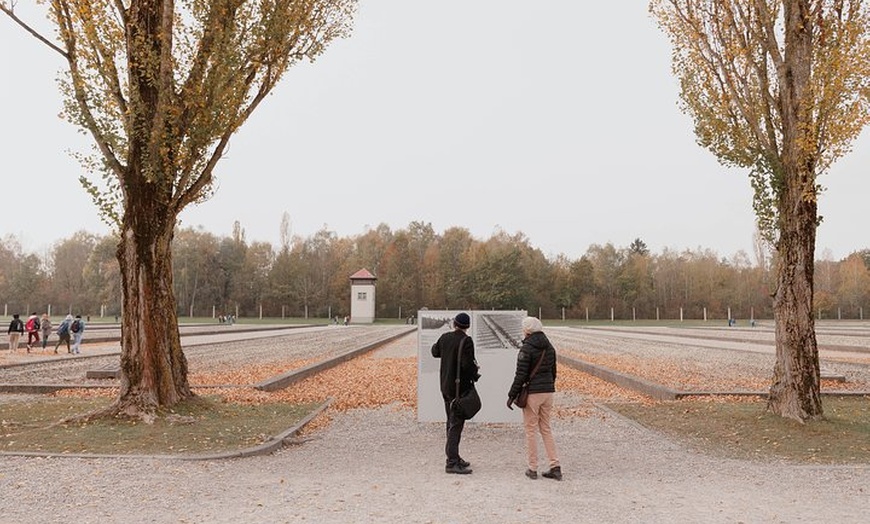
<point>363,274</point>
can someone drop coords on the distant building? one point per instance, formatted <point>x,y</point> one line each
<point>362,297</point>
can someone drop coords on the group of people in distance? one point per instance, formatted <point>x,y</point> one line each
<point>536,370</point>
<point>69,332</point>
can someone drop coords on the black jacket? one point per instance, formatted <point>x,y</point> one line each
<point>16,326</point>
<point>544,380</point>
<point>446,348</point>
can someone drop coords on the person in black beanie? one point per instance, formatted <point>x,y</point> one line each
<point>447,349</point>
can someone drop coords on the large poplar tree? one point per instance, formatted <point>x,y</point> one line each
<point>779,87</point>
<point>161,86</point>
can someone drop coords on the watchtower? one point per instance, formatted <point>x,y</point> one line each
<point>362,297</point>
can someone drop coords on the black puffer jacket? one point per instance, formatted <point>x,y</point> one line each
<point>544,380</point>
<point>447,348</point>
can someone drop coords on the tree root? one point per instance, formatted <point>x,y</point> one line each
<point>144,412</point>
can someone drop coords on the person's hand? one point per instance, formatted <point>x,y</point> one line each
<point>510,404</point>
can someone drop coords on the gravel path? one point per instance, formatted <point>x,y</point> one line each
<point>381,465</point>
<point>703,364</point>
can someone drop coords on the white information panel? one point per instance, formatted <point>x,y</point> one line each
<point>497,336</point>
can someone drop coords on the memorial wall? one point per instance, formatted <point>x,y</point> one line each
<point>497,338</point>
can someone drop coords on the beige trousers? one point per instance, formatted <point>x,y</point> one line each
<point>536,419</point>
<point>14,337</point>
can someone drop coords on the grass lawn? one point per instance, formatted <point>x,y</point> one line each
<point>744,429</point>
<point>203,425</point>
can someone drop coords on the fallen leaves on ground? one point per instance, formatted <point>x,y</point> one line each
<point>686,375</point>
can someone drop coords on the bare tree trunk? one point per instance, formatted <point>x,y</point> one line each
<point>153,366</point>
<point>795,391</point>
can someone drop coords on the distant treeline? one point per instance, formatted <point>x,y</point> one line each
<point>417,267</point>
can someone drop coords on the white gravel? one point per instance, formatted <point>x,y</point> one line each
<point>383,466</point>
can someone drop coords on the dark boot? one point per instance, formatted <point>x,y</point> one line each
<point>532,474</point>
<point>554,473</point>
<point>456,468</point>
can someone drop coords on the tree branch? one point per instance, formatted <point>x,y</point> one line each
<point>9,12</point>
<point>67,32</point>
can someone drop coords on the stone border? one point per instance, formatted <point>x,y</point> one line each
<point>660,392</point>
<point>44,389</point>
<point>287,379</point>
<point>216,329</point>
<point>645,387</point>
<point>270,446</point>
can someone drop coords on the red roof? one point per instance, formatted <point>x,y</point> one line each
<point>363,274</point>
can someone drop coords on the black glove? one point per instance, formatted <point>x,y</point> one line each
<point>510,403</point>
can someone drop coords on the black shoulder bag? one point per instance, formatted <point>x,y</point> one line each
<point>523,398</point>
<point>468,404</point>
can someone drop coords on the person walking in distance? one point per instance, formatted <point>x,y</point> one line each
<point>32,327</point>
<point>536,365</point>
<point>77,328</point>
<point>63,333</point>
<point>447,349</point>
<point>45,327</point>
<point>16,329</point>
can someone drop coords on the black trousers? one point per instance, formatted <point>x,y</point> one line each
<point>455,424</point>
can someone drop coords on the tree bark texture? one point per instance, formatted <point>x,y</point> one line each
<point>153,365</point>
<point>795,390</point>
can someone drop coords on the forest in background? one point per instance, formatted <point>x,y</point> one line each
<point>415,268</point>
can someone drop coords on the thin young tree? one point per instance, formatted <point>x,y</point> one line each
<point>779,87</point>
<point>161,86</point>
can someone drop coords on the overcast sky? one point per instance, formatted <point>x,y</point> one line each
<point>557,119</point>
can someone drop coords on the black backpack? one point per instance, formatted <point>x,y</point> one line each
<point>76,326</point>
